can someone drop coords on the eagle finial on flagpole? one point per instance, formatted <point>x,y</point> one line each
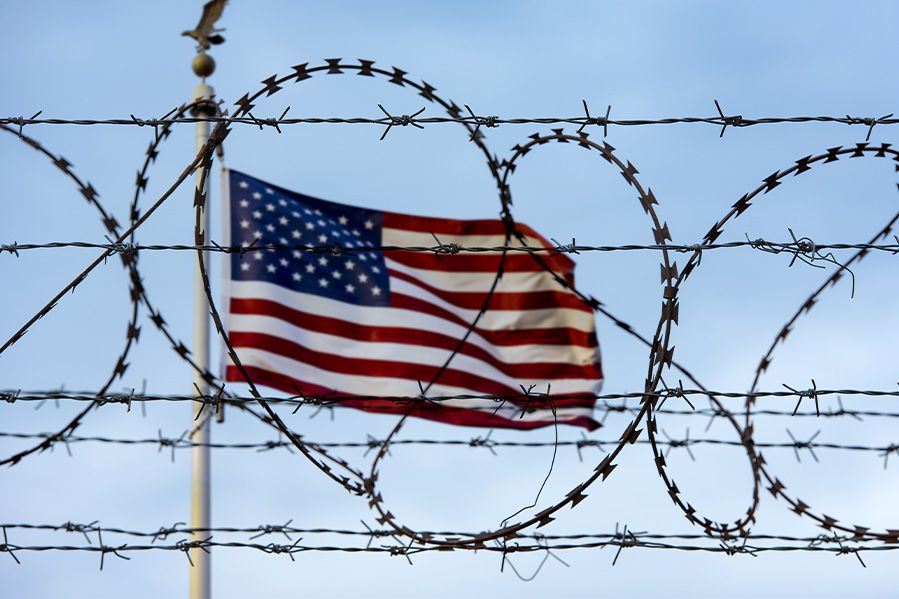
<point>204,33</point>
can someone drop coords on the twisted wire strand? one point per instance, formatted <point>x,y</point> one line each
<point>439,250</point>
<point>184,442</point>
<point>473,121</point>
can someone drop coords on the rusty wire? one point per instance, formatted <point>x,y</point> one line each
<point>643,417</point>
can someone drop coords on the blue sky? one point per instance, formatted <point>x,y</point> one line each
<point>650,59</point>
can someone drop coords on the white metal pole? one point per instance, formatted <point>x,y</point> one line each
<point>200,573</point>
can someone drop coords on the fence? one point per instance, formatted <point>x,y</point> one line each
<point>727,537</point>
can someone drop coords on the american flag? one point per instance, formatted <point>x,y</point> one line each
<point>370,324</point>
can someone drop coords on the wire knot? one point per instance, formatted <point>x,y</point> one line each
<point>267,529</point>
<point>486,121</point>
<point>806,246</point>
<point>598,121</point>
<point>445,248</point>
<point>127,249</point>
<point>163,532</point>
<point>270,445</point>
<point>625,538</point>
<point>118,398</point>
<point>869,122</point>
<point>186,546</point>
<point>12,248</point>
<point>399,121</point>
<point>166,442</point>
<point>797,445</point>
<point>891,448</point>
<point>246,248</point>
<point>732,121</point>
<point>809,393</point>
<point>568,248</point>
<point>21,122</point>
<point>9,396</point>
<point>484,441</point>
<point>696,248</point>
<point>288,549</point>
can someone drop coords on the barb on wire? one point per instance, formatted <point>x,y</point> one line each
<point>400,121</point>
<point>267,529</point>
<point>22,121</point>
<point>625,538</point>
<point>484,441</point>
<point>541,542</point>
<point>187,546</point>
<point>891,448</point>
<point>675,392</point>
<point>566,248</point>
<point>811,393</point>
<point>445,248</point>
<point>164,531</point>
<point>104,549</point>
<point>732,121</point>
<point>589,120</point>
<point>167,442</point>
<point>674,443</point>
<point>868,121</point>
<point>797,445</point>
<point>5,548</point>
<point>486,121</point>
<point>843,550</point>
<point>270,122</point>
<point>82,528</point>
<point>731,548</point>
<point>12,248</point>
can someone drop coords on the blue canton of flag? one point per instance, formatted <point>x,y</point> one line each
<point>263,214</point>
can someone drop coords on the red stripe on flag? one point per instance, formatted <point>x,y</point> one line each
<point>470,262</point>
<point>444,226</point>
<point>430,411</point>
<point>501,300</point>
<point>384,368</point>
<point>562,335</point>
<point>385,334</point>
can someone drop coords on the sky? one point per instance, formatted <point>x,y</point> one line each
<point>646,60</point>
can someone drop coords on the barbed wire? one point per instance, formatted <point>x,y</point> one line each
<point>620,539</point>
<point>479,442</point>
<point>418,120</point>
<point>659,343</point>
<point>333,398</point>
<point>797,248</point>
<point>162,533</point>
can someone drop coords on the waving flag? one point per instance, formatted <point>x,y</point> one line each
<point>371,324</point>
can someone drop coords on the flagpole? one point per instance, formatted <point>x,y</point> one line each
<point>200,572</point>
